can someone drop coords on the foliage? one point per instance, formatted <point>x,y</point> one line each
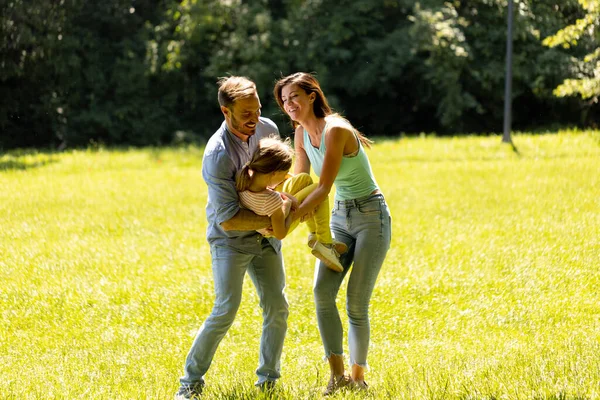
<point>120,72</point>
<point>75,73</point>
<point>587,71</point>
<point>31,39</point>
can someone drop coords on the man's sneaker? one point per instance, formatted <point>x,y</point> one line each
<point>187,392</point>
<point>340,247</point>
<point>336,383</point>
<point>328,255</point>
<point>266,386</point>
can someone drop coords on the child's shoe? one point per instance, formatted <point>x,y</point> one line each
<point>328,255</point>
<point>338,246</point>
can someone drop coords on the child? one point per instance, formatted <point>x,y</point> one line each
<point>267,169</point>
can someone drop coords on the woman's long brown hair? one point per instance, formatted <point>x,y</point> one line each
<point>321,108</point>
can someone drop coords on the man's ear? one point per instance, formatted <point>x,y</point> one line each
<point>226,112</point>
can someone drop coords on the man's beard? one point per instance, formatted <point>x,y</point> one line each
<point>244,130</point>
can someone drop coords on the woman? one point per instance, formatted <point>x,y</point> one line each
<point>360,218</point>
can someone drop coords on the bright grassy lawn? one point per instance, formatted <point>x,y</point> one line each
<point>491,289</point>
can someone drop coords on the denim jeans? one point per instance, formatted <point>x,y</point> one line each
<point>364,225</point>
<point>229,268</point>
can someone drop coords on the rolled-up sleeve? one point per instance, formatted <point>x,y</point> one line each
<point>218,172</point>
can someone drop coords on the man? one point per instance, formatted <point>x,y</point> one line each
<point>235,246</point>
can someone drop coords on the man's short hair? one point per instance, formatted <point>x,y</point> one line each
<point>233,88</point>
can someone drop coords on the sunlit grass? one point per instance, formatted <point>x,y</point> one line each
<point>490,289</point>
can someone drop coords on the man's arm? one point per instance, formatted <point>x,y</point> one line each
<point>246,220</point>
<point>218,172</point>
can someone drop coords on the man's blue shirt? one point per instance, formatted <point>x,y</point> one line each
<point>224,155</point>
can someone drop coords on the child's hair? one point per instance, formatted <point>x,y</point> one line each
<point>272,155</point>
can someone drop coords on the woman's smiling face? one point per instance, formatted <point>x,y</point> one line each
<point>296,102</point>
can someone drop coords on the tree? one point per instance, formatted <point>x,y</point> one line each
<point>587,71</point>
<point>139,72</point>
<point>31,35</point>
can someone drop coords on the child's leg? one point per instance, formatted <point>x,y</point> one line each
<point>320,220</point>
<point>300,186</point>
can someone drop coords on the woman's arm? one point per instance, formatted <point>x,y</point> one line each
<point>335,141</point>
<point>302,162</point>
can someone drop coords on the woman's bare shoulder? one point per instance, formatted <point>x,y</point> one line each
<point>339,122</point>
<point>299,135</point>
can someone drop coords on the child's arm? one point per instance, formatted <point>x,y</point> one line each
<point>278,222</point>
<point>294,202</point>
<point>287,206</point>
<point>281,220</point>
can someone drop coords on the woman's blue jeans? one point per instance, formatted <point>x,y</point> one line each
<point>364,224</point>
<point>229,268</point>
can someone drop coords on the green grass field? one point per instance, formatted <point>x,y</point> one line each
<point>490,289</point>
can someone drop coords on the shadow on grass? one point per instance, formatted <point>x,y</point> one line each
<point>562,396</point>
<point>245,392</point>
<point>237,391</point>
<point>24,160</point>
<point>519,155</point>
<point>514,148</point>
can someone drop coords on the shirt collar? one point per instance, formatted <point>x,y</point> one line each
<point>235,138</point>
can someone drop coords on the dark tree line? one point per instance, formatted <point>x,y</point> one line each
<point>143,72</point>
